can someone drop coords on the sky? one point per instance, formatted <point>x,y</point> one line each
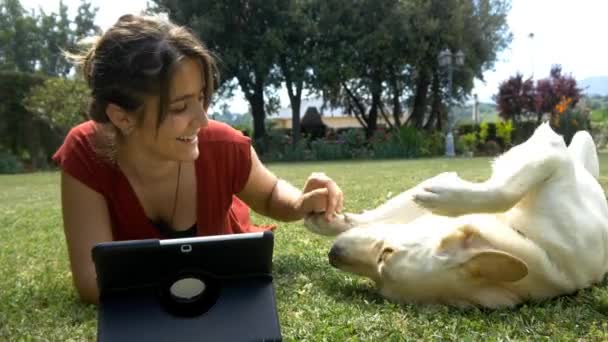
<point>566,32</point>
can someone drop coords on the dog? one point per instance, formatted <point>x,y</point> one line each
<point>536,229</point>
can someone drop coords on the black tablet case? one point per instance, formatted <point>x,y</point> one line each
<point>133,278</point>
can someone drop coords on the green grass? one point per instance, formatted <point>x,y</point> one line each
<point>315,301</point>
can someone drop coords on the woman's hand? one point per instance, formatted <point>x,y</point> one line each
<point>320,194</point>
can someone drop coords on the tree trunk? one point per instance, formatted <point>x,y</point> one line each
<point>254,93</point>
<point>396,92</point>
<point>295,97</point>
<point>372,118</point>
<point>435,119</point>
<point>259,115</point>
<point>296,100</point>
<point>420,99</point>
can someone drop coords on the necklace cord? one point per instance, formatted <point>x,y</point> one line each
<point>179,173</point>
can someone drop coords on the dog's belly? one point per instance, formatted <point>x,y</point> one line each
<point>568,220</point>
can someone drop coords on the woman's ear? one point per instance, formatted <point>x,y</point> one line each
<point>120,118</point>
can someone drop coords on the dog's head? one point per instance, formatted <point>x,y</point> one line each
<point>434,259</point>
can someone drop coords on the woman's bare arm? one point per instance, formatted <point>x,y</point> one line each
<point>86,222</point>
<point>266,194</point>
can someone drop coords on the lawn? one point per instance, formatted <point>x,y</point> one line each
<point>315,301</point>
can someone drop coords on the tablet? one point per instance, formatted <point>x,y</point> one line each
<point>188,289</point>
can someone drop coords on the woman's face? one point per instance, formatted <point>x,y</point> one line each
<point>177,134</point>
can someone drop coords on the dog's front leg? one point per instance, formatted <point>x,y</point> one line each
<point>515,173</point>
<point>399,209</point>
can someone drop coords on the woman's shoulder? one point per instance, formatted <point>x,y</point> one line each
<point>79,157</point>
<point>85,130</point>
<point>217,131</point>
<point>80,138</point>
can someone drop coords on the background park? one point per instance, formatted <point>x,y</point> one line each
<point>374,86</point>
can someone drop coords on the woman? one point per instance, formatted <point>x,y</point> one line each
<point>150,164</point>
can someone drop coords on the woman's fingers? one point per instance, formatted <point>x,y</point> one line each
<point>333,198</point>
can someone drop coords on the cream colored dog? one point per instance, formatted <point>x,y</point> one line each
<point>538,228</point>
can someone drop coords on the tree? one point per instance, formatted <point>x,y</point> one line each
<point>245,34</point>
<point>85,21</point>
<point>377,52</point>
<point>19,132</point>
<point>18,38</point>
<point>35,42</point>
<point>554,89</point>
<point>298,38</point>
<point>360,48</point>
<point>61,103</point>
<point>515,98</point>
<point>57,34</point>
<point>478,28</point>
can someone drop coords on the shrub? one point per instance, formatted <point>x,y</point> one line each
<point>434,144</point>
<point>353,144</point>
<point>469,142</point>
<point>483,132</point>
<point>504,130</point>
<point>570,122</point>
<point>9,163</point>
<point>325,150</point>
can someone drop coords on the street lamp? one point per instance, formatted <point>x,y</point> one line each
<point>449,61</point>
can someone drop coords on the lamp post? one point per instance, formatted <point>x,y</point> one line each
<point>448,62</point>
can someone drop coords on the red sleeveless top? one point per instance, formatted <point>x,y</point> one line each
<point>222,169</point>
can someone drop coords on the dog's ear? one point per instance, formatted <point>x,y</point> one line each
<point>496,266</point>
<point>480,259</point>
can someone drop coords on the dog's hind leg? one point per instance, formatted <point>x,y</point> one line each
<point>514,174</point>
<point>582,150</point>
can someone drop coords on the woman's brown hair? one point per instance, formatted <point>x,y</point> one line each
<point>136,57</point>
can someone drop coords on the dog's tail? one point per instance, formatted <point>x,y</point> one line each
<point>582,149</point>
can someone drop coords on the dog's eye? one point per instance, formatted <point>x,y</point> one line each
<point>385,254</point>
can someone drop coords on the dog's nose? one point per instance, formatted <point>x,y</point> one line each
<point>335,254</point>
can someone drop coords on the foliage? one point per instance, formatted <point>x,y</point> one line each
<point>409,142</point>
<point>599,115</point>
<point>478,28</point>
<point>31,45</point>
<point>59,102</point>
<point>491,138</point>
<point>352,144</point>
<point>469,142</point>
<point>556,93</point>
<point>19,131</point>
<point>33,42</point>
<point>504,130</point>
<point>9,163</point>
<point>18,38</point>
<point>484,128</point>
<point>571,121</point>
<point>515,99</point>
<point>359,55</point>
<point>518,99</point>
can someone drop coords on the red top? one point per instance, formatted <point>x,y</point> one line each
<point>222,169</point>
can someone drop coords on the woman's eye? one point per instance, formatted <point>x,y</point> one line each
<point>178,109</point>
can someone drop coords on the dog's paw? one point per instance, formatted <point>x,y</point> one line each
<point>317,223</point>
<point>445,194</point>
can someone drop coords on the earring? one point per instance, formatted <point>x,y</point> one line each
<point>127,130</point>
